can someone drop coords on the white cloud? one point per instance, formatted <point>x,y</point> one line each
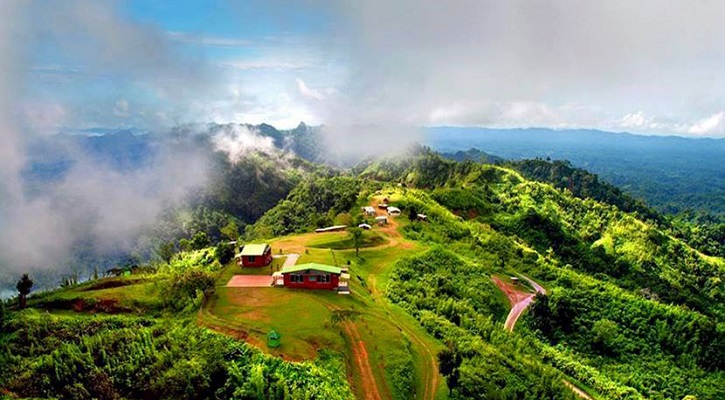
<point>264,63</point>
<point>309,92</point>
<point>498,63</point>
<point>239,141</point>
<point>635,120</point>
<point>121,108</point>
<point>712,125</point>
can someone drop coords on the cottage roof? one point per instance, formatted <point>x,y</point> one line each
<point>331,228</point>
<point>254,249</point>
<point>313,266</point>
<point>392,209</point>
<point>368,209</point>
<point>381,218</point>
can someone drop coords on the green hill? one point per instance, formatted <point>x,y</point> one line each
<point>631,308</point>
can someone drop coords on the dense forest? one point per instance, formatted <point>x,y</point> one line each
<point>672,174</point>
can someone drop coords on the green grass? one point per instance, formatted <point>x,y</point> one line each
<point>341,241</point>
<point>135,293</point>
<point>302,320</point>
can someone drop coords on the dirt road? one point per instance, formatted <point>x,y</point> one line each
<point>519,299</point>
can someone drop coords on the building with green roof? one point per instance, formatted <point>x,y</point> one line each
<point>312,276</point>
<point>255,255</point>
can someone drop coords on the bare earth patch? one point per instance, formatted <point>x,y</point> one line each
<point>250,281</point>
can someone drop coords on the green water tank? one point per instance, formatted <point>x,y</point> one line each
<point>274,339</point>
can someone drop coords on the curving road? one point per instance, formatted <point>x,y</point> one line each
<point>519,300</point>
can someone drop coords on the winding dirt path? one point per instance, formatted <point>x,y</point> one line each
<point>360,354</point>
<point>370,389</point>
<point>430,373</point>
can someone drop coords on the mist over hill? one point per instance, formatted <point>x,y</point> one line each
<point>670,173</point>
<point>239,171</point>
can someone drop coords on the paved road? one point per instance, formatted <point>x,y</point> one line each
<point>290,259</point>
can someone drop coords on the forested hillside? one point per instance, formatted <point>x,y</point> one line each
<point>672,174</point>
<point>631,307</point>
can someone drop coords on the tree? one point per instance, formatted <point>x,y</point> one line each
<point>356,235</point>
<point>24,285</point>
<point>184,245</point>
<point>230,231</point>
<point>199,241</point>
<point>2,314</point>
<point>412,213</point>
<point>191,281</point>
<point>449,360</point>
<point>224,252</point>
<point>605,334</point>
<point>166,251</point>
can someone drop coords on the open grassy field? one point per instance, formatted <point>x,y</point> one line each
<point>341,241</point>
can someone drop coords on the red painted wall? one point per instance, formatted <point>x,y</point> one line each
<point>334,281</point>
<point>259,261</point>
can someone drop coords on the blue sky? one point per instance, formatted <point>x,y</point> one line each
<point>647,67</point>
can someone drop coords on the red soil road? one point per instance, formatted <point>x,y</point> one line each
<point>430,374</point>
<point>519,299</point>
<point>360,353</point>
<point>369,389</point>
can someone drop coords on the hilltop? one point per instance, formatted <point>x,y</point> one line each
<point>623,303</point>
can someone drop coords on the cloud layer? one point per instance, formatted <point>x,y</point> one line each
<point>557,63</point>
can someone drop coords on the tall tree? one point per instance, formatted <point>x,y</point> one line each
<point>231,231</point>
<point>166,251</point>
<point>24,285</point>
<point>449,360</point>
<point>2,314</point>
<point>412,213</point>
<point>356,235</point>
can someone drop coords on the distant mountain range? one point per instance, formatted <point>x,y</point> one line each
<point>670,173</point>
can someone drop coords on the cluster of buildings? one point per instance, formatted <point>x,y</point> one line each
<point>313,275</point>
<point>307,276</point>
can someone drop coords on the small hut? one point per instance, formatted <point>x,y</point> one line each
<point>393,210</point>
<point>381,220</point>
<point>368,210</point>
<point>364,226</point>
